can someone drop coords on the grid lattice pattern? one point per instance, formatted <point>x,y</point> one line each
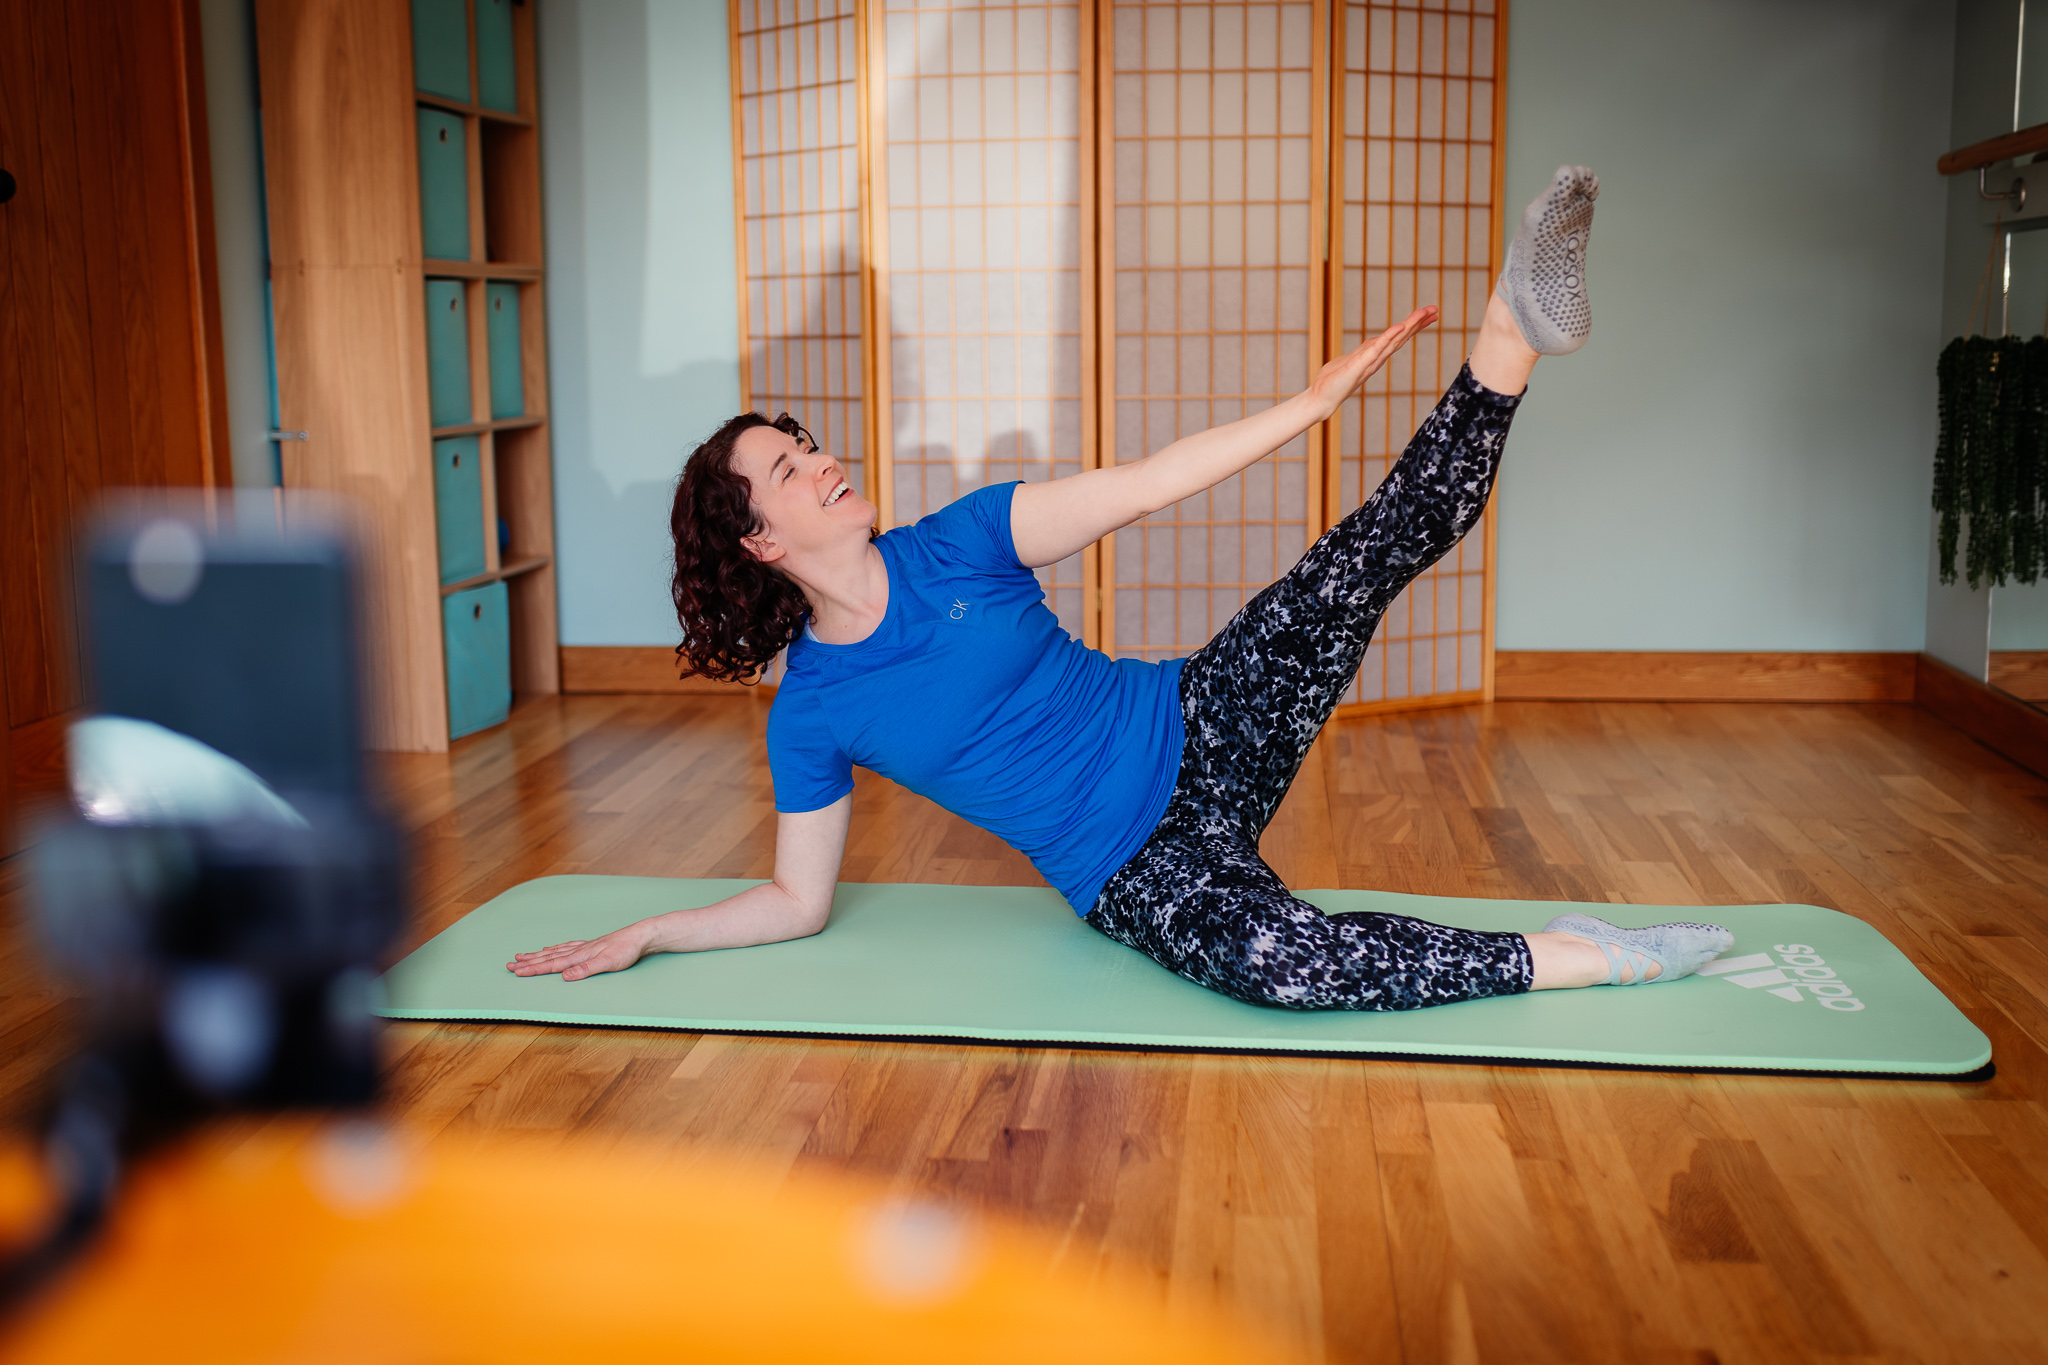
<point>1416,176</point>
<point>798,109</point>
<point>1211,138</point>
<point>984,231</point>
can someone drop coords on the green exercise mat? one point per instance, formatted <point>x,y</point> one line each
<point>1804,989</point>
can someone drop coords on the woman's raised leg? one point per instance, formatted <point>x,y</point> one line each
<point>1197,898</point>
<point>1255,697</point>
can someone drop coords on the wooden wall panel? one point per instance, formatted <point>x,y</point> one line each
<point>1733,675</point>
<point>1986,714</point>
<point>109,322</point>
<point>641,669</point>
<point>347,284</point>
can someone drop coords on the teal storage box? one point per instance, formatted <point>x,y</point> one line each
<point>508,385</point>
<point>444,186</point>
<point>478,628</point>
<point>497,79</point>
<point>440,48</point>
<point>448,399</point>
<point>459,507</point>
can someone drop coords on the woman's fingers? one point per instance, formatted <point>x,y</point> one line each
<point>565,963</point>
<point>1347,372</point>
<point>553,948</point>
<point>1397,336</point>
<point>575,960</point>
<point>578,958</point>
<point>544,960</point>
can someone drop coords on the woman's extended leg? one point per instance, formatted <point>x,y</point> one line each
<point>1209,909</point>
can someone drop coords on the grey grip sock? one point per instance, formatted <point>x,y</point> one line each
<point>1680,949</point>
<point>1544,281</point>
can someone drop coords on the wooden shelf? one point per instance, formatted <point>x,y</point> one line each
<point>341,122</point>
<point>480,270</point>
<point>472,110</point>
<point>520,423</point>
<point>1991,151</point>
<point>499,575</point>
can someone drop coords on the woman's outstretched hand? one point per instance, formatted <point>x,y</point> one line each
<point>615,952</point>
<point>1335,381</point>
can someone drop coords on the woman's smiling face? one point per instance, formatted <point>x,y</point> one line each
<point>802,494</point>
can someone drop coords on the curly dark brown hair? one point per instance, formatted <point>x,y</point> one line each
<point>737,613</point>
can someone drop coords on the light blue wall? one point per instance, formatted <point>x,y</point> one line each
<point>1738,460</point>
<point>1740,457</point>
<point>227,41</point>
<point>2019,616</point>
<point>1986,45</point>
<point>643,313</point>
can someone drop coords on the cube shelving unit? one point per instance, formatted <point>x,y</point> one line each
<point>403,169</point>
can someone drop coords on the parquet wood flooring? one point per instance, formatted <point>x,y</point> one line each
<point>1362,1210</point>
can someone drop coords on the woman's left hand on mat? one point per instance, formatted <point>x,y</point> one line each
<point>615,952</point>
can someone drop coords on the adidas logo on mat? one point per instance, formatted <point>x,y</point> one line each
<point>1758,972</point>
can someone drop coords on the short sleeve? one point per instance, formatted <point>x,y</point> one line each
<point>974,532</point>
<point>809,768</point>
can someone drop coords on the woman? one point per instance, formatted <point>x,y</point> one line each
<point>1138,789</point>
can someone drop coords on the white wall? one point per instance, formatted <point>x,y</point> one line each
<point>1740,458</point>
<point>643,310</point>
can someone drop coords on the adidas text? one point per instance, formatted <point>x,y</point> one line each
<point>1798,969</point>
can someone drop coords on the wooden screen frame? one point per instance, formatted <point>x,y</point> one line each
<point>1333,339</point>
<point>1098,284</point>
<point>747,330</point>
<point>874,216</point>
<point>1321,113</point>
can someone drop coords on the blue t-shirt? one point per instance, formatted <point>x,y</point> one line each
<point>970,694</point>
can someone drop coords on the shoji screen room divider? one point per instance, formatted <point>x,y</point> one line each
<point>995,241</point>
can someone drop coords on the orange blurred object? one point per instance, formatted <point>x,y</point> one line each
<point>349,1242</point>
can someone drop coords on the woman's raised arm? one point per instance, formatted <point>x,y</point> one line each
<point>808,850</point>
<point>1051,520</point>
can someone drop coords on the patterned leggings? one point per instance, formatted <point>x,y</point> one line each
<point>1196,897</point>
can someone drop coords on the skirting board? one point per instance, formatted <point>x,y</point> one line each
<point>1647,675</point>
<point>1520,675</point>
<point>638,668</point>
<point>1987,715</point>
<point>1997,721</point>
<point>2022,672</point>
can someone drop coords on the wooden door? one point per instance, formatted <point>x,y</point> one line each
<point>109,326</point>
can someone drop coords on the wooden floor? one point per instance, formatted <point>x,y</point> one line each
<point>1362,1210</point>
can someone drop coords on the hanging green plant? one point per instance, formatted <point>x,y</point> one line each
<point>1991,459</point>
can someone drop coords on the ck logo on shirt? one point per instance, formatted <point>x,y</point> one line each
<point>959,611</point>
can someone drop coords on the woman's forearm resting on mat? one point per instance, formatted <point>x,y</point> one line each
<point>809,847</point>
